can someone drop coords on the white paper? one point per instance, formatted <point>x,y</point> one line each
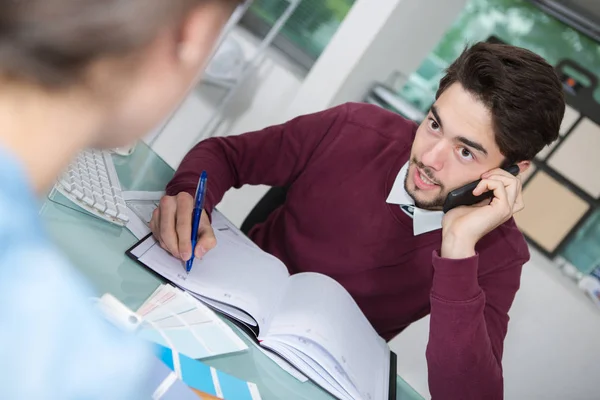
<point>241,276</point>
<point>228,310</point>
<point>283,364</point>
<point>307,312</point>
<point>312,369</point>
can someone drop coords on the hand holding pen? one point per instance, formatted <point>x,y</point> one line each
<point>172,225</point>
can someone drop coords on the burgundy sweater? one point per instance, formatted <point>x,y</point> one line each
<point>340,165</point>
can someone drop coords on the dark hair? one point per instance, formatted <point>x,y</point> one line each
<point>51,42</point>
<point>521,90</point>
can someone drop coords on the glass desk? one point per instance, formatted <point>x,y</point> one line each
<point>97,249</point>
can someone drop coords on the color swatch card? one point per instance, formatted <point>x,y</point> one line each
<point>206,379</point>
<point>177,320</point>
<point>169,387</point>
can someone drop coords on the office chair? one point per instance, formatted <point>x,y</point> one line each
<point>272,200</point>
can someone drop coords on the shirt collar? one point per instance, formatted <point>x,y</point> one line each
<point>423,220</point>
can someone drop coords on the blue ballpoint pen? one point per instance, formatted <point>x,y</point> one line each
<point>198,207</point>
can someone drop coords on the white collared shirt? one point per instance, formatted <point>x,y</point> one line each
<point>423,220</point>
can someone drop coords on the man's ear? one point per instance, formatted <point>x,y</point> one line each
<point>523,166</point>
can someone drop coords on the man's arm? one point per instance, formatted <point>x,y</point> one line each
<point>469,304</point>
<point>274,156</point>
<point>469,319</point>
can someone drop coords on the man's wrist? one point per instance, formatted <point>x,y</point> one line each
<point>457,246</point>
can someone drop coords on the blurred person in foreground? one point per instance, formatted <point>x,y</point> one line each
<point>73,75</point>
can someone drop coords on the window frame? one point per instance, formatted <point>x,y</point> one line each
<point>256,26</point>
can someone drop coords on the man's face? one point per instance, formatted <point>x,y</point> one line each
<point>453,146</point>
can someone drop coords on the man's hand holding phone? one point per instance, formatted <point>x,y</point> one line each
<point>171,225</point>
<point>463,227</point>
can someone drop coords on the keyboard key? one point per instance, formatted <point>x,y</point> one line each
<point>88,196</point>
<point>66,184</point>
<point>100,207</point>
<point>86,185</point>
<point>122,213</point>
<point>99,203</point>
<point>120,201</point>
<point>78,191</point>
<point>108,198</point>
<point>96,189</point>
<point>100,166</point>
<point>111,210</point>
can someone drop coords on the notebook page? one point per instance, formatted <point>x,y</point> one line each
<point>311,369</point>
<point>321,361</point>
<point>232,273</point>
<point>317,308</point>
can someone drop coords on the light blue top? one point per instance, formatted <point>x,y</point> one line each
<point>53,344</point>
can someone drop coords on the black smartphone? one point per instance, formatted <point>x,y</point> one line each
<point>463,196</point>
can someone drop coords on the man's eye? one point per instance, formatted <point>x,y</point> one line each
<point>433,124</point>
<point>465,153</point>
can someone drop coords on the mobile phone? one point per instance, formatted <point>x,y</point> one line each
<point>463,196</point>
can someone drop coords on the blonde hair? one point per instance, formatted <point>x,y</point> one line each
<point>51,42</point>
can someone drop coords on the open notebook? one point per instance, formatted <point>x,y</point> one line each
<point>308,319</point>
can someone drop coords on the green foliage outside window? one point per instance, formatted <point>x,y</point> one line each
<point>311,26</point>
<point>517,22</point>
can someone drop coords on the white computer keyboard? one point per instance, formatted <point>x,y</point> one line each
<point>92,183</point>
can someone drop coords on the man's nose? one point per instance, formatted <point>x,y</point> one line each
<point>435,156</point>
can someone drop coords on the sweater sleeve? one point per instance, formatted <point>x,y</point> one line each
<point>469,319</point>
<point>274,156</point>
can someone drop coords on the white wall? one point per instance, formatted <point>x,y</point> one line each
<point>261,102</point>
<point>375,39</point>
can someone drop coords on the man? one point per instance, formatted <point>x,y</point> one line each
<point>75,74</point>
<point>365,190</point>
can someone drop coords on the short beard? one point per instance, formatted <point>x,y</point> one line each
<point>435,204</point>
